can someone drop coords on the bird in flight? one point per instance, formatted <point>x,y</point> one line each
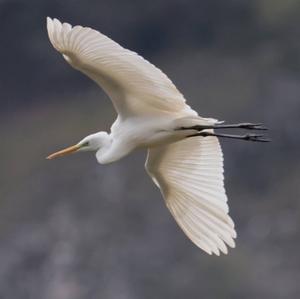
<point>184,160</point>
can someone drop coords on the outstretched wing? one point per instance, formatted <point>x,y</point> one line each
<point>135,86</point>
<point>189,174</point>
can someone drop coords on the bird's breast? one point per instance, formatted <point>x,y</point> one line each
<point>145,132</point>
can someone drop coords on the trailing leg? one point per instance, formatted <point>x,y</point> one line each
<point>246,126</point>
<point>248,137</point>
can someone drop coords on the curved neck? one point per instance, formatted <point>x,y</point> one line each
<point>103,141</point>
<point>113,150</point>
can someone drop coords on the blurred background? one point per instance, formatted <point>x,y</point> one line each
<point>71,228</point>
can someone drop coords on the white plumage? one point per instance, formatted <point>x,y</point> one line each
<point>151,115</point>
<point>134,85</point>
<point>189,174</point>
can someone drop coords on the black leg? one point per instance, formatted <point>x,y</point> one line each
<point>247,126</point>
<point>249,137</point>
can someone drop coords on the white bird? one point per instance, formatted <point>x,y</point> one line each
<point>184,160</point>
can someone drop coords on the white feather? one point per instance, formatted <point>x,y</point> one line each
<point>135,86</point>
<point>150,110</point>
<point>189,174</point>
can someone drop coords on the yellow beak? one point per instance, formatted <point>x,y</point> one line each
<point>66,151</point>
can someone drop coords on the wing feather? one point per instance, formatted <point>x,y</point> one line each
<point>135,86</point>
<point>189,174</point>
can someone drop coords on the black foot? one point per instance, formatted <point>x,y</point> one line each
<point>256,137</point>
<point>250,126</point>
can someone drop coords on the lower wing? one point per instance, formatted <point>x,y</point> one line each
<point>189,174</point>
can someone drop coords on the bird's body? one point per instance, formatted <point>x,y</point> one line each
<point>143,132</point>
<point>184,159</point>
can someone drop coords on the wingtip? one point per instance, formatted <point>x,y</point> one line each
<point>217,253</point>
<point>52,22</point>
<point>49,21</point>
<point>57,21</point>
<point>224,250</point>
<point>49,25</point>
<point>231,243</point>
<point>54,28</point>
<point>234,234</point>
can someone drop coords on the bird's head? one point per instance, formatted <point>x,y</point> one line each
<point>92,142</point>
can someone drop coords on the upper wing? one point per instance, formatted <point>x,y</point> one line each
<point>134,85</point>
<point>189,174</point>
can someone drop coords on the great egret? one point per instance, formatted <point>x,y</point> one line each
<point>184,160</point>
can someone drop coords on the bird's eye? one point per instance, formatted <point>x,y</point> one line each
<point>85,144</point>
